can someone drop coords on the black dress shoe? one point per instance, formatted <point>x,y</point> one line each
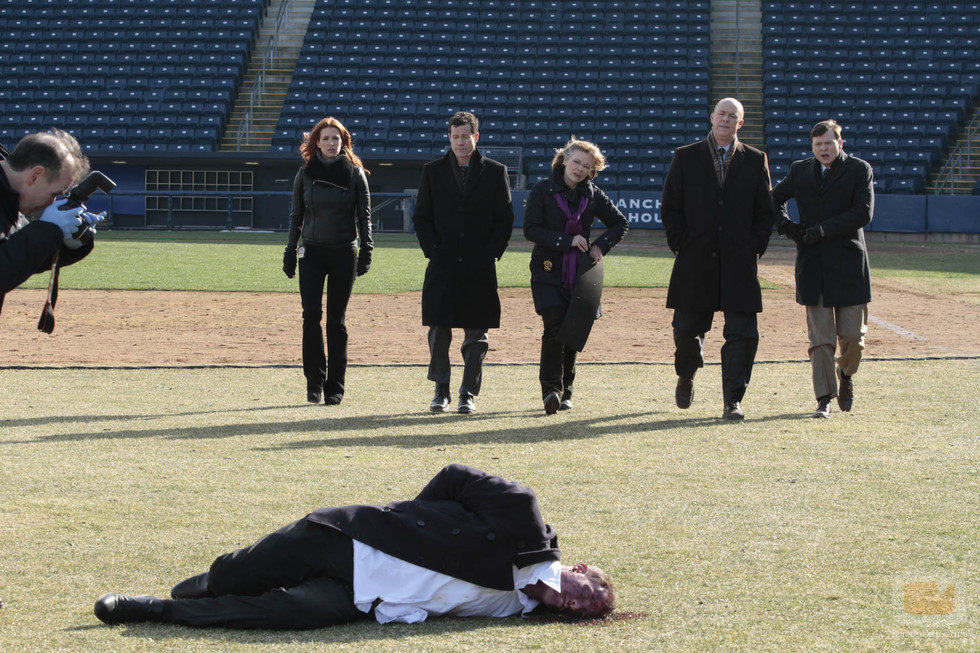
<point>551,403</point>
<point>334,399</point>
<point>823,408</point>
<point>467,404</point>
<point>566,401</point>
<point>440,401</point>
<point>120,608</point>
<point>313,395</point>
<point>684,393</point>
<point>733,411</point>
<point>195,587</point>
<point>845,398</point>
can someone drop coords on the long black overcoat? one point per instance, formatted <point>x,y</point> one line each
<point>462,234</point>
<point>837,265</point>
<point>717,233</point>
<point>544,225</point>
<point>465,523</point>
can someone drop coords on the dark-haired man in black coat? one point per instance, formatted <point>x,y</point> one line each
<point>835,196</point>
<point>470,544</point>
<point>463,220</point>
<point>718,214</point>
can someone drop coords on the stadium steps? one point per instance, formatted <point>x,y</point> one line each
<point>267,104</point>
<point>736,62</point>
<point>961,169</point>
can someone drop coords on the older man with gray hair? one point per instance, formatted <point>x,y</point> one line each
<point>718,213</point>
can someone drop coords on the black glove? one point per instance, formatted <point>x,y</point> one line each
<point>289,261</point>
<point>813,235</point>
<point>791,230</point>
<point>363,262</point>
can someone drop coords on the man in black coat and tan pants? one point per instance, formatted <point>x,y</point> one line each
<point>835,196</point>
<point>470,544</point>
<point>463,220</point>
<point>718,213</point>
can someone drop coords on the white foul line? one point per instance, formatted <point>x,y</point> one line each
<point>895,328</point>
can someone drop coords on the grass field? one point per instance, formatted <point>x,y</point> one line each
<point>253,262</point>
<point>779,533</point>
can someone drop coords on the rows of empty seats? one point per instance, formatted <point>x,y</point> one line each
<point>628,75</point>
<point>900,77</point>
<point>124,76</point>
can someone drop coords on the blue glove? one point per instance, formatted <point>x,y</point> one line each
<point>90,220</point>
<point>67,220</point>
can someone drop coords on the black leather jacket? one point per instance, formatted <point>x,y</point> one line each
<point>331,205</point>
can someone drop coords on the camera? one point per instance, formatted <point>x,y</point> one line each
<point>78,194</point>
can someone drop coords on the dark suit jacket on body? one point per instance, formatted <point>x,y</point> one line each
<point>462,233</point>
<point>717,233</point>
<point>837,265</point>
<point>465,523</point>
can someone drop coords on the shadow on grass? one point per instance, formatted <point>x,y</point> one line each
<point>362,631</point>
<point>56,419</point>
<point>538,428</point>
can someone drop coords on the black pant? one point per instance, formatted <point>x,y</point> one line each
<point>737,354</point>
<point>557,369</point>
<point>301,576</point>
<point>337,266</point>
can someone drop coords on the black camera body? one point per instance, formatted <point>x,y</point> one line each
<point>80,192</point>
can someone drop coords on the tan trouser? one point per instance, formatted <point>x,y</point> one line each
<point>826,327</point>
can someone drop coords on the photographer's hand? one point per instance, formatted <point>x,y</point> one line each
<point>90,219</point>
<point>68,220</point>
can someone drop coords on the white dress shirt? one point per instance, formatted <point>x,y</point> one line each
<point>409,593</point>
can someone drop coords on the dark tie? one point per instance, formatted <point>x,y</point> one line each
<point>825,174</point>
<point>721,153</point>
<point>463,169</point>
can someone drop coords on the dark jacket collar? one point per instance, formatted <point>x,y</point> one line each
<point>556,183</point>
<point>475,166</point>
<point>337,172</point>
<point>836,167</point>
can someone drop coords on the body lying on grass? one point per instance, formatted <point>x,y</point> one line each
<point>470,544</point>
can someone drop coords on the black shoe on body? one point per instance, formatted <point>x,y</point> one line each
<point>466,403</point>
<point>551,403</point>
<point>313,395</point>
<point>684,393</point>
<point>195,587</point>
<point>334,399</point>
<point>845,397</point>
<point>440,401</point>
<point>733,411</point>
<point>120,608</point>
<point>823,408</point>
<point>566,400</point>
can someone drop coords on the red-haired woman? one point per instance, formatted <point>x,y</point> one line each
<point>331,211</point>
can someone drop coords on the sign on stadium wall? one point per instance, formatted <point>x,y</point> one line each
<point>642,209</point>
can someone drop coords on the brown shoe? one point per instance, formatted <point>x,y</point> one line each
<point>684,393</point>
<point>845,397</point>
<point>823,408</point>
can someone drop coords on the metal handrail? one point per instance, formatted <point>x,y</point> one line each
<point>961,158</point>
<point>269,58</point>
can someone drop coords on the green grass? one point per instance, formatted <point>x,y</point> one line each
<point>779,533</point>
<point>253,262</point>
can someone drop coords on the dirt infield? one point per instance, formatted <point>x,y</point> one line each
<point>199,328</point>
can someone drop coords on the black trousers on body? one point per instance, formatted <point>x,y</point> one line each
<point>557,369</point>
<point>301,576</point>
<point>335,266</point>
<point>741,334</point>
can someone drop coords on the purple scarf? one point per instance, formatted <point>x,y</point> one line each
<point>569,263</point>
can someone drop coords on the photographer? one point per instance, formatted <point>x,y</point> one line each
<point>33,229</point>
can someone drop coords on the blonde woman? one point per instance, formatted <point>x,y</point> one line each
<point>558,220</point>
